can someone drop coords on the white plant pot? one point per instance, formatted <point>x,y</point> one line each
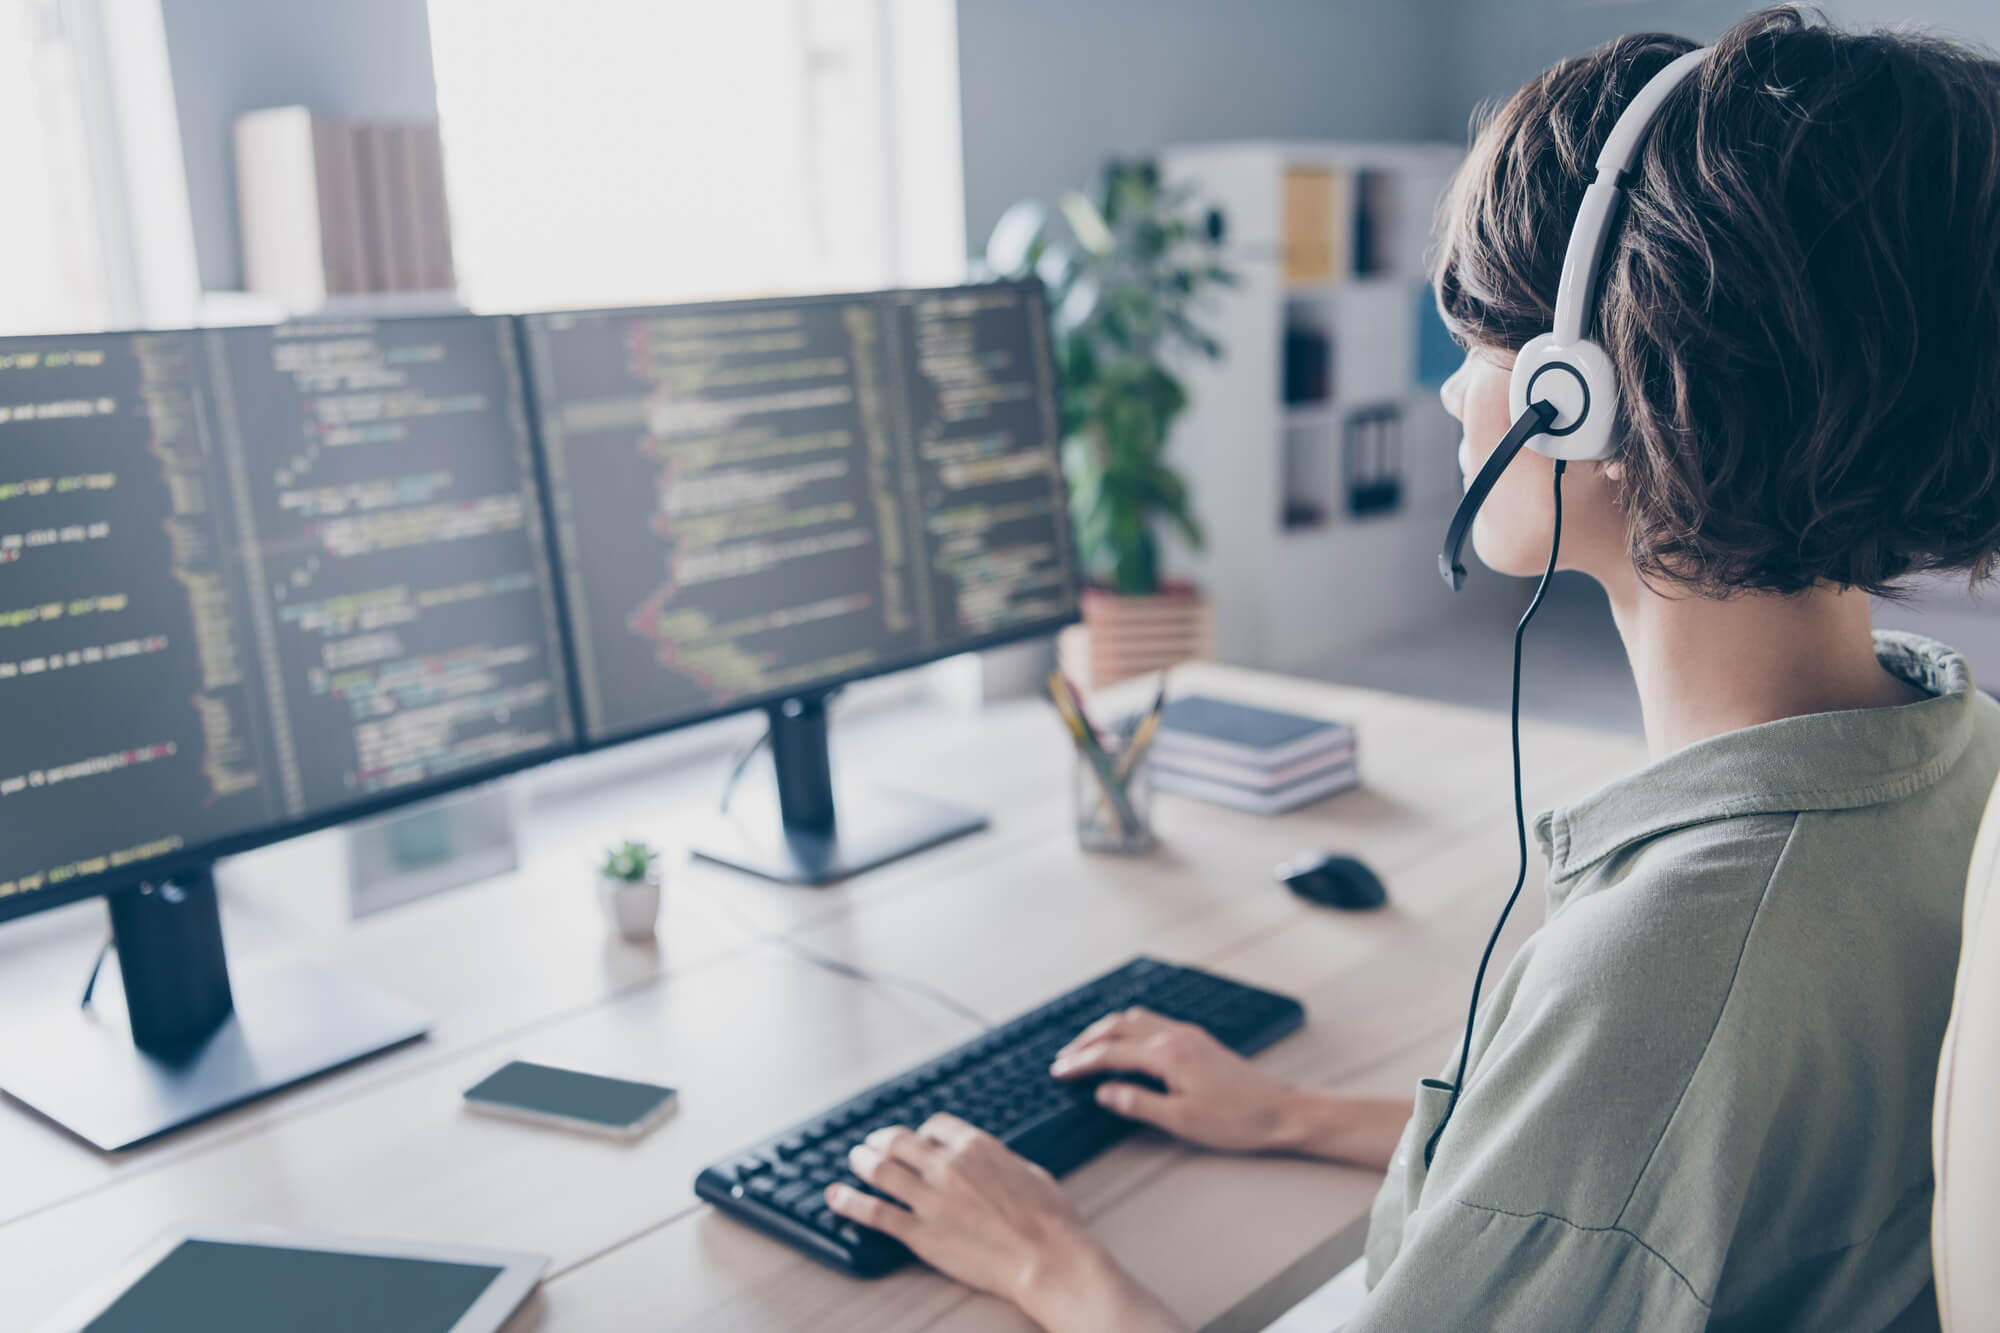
<point>632,906</point>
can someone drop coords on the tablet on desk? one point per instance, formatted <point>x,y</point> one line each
<point>247,1279</point>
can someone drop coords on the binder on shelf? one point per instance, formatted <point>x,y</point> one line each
<point>1374,223</point>
<point>1372,457</point>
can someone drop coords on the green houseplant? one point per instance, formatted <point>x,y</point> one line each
<point>1125,272</point>
<point>628,884</point>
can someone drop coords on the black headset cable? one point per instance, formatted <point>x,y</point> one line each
<point>1520,827</point>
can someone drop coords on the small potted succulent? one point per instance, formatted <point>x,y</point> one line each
<point>628,883</point>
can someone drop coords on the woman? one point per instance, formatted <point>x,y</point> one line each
<point>1700,1096</point>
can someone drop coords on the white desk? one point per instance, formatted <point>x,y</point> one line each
<point>522,966</point>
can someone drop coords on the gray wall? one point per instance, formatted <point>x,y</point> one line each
<point>1497,45</point>
<point>1050,88</point>
<point>342,57</point>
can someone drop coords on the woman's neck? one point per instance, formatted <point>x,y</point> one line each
<point>1705,667</point>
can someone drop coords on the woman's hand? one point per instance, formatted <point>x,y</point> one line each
<point>1213,1096</point>
<point>976,1212</point>
<point>1216,1098</point>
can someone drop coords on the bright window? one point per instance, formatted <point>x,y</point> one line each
<point>609,152</point>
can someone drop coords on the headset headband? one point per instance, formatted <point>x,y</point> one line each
<point>1564,389</point>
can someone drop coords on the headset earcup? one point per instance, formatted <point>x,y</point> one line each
<point>1578,379</point>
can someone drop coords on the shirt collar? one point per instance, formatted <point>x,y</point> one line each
<point>1822,761</point>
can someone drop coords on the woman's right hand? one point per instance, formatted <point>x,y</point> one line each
<point>1212,1096</point>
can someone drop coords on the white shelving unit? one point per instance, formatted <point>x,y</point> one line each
<point>1302,565</point>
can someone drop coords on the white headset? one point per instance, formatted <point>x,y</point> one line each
<point>1564,391</point>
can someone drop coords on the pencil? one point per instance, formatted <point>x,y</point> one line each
<point>1123,816</point>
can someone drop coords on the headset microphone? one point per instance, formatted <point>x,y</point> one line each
<point>1564,392</point>
<point>1531,422</point>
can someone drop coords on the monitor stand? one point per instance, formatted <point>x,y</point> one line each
<point>194,1044</point>
<point>802,841</point>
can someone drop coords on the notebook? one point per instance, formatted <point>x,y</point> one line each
<point>1240,734</point>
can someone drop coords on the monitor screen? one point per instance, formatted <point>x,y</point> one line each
<point>253,580</point>
<point>763,498</point>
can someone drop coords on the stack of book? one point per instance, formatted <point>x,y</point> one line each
<point>1254,759</point>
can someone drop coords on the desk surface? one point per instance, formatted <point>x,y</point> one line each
<point>523,966</point>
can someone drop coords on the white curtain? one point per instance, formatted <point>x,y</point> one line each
<point>94,225</point>
<point>52,271</point>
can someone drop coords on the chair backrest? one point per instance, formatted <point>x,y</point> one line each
<point>1965,1143</point>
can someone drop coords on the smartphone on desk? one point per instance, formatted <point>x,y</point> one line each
<point>567,1099</point>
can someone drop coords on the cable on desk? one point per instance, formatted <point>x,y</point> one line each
<point>889,980</point>
<point>853,972</point>
<point>743,762</point>
<point>90,986</point>
<point>828,962</point>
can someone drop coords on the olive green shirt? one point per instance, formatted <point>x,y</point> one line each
<point>1700,1097</point>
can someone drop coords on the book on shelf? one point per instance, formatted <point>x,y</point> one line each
<point>1276,802</point>
<point>1338,224</point>
<point>1318,222</point>
<point>332,207</point>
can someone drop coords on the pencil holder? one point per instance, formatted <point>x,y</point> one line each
<point>1114,814</point>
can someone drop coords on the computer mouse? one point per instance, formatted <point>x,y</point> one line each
<point>1333,881</point>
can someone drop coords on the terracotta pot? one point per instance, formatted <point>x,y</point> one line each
<point>1124,636</point>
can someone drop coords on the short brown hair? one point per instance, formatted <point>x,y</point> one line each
<point>1802,300</point>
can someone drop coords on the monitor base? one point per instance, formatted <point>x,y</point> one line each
<point>83,1071</point>
<point>874,827</point>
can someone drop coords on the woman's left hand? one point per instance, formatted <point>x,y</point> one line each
<point>977,1212</point>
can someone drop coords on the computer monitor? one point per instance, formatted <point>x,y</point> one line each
<point>755,502</point>
<point>252,582</point>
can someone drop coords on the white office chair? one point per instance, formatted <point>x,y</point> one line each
<point>1965,1219</point>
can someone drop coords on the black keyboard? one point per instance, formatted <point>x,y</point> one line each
<point>999,1082</point>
